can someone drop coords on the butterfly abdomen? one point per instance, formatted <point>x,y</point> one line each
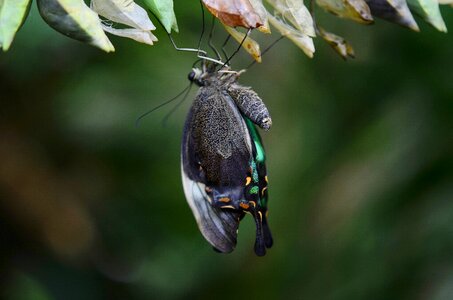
<point>251,105</point>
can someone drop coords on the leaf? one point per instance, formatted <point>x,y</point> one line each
<point>356,10</point>
<point>234,13</point>
<point>249,44</point>
<point>297,13</point>
<point>429,11</point>
<point>339,44</point>
<point>76,20</point>
<point>123,11</point>
<point>395,11</point>
<point>12,14</point>
<point>446,2</point>
<point>303,41</point>
<point>129,13</point>
<point>262,12</point>
<point>163,9</point>
<point>142,36</point>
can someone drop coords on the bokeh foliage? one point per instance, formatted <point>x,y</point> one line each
<point>359,157</point>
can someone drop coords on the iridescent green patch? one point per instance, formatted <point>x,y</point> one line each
<point>254,171</point>
<point>254,190</point>
<point>260,154</point>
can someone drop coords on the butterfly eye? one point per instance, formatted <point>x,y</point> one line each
<point>191,76</point>
<point>196,76</point>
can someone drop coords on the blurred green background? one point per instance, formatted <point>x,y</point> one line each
<point>359,158</point>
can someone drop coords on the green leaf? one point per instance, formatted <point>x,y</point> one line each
<point>12,14</point>
<point>443,2</point>
<point>163,9</point>
<point>429,11</point>
<point>76,20</point>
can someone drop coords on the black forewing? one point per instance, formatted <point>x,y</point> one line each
<point>216,150</point>
<point>218,139</point>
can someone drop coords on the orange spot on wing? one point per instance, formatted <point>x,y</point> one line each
<point>224,200</point>
<point>244,205</point>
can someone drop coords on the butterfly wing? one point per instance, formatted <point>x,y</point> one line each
<point>216,150</point>
<point>218,226</point>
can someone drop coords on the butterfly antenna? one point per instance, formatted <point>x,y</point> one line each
<point>237,50</point>
<point>168,115</point>
<point>265,50</point>
<point>224,45</point>
<point>203,54</point>
<point>211,45</point>
<point>137,122</point>
<point>196,62</point>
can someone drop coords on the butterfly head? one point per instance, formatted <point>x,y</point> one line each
<point>196,76</point>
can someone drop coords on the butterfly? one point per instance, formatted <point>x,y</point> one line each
<point>223,160</point>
